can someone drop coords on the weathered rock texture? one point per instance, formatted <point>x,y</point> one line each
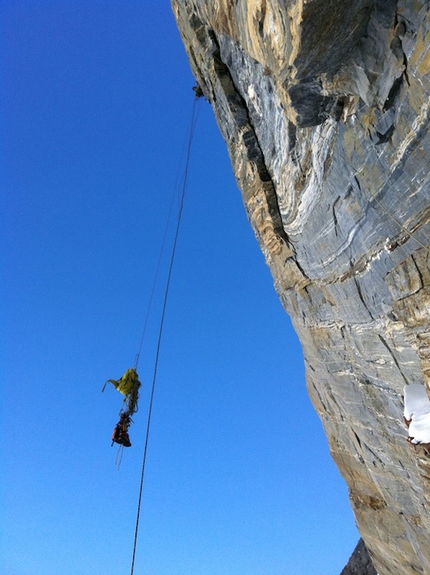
<point>359,562</point>
<point>324,107</point>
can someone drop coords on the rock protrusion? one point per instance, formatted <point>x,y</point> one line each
<point>359,563</point>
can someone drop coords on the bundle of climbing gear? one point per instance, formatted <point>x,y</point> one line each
<point>198,92</point>
<point>128,385</point>
<point>120,433</point>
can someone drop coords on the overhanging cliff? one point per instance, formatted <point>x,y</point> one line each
<point>324,107</point>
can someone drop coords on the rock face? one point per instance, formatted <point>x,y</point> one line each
<point>324,107</point>
<point>359,562</point>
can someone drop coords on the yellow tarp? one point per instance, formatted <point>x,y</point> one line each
<point>127,383</point>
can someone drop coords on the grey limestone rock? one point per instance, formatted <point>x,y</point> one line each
<point>359,563</point>
<point>324,107</point>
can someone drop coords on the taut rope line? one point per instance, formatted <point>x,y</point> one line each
<point>176,186</point>
<point>194,116</point>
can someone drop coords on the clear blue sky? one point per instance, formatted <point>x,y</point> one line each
<point>97,98</point>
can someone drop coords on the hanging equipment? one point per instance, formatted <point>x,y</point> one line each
<point>128,385</point>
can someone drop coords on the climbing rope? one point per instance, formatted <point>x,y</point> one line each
<point>198,94</point>
<point>151,297</point>
<point>182,190</point>
<point>163,243</point>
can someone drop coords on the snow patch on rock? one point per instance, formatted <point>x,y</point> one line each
<point>417,413</point>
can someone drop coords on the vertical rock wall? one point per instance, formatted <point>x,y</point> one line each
<point>324,107</point>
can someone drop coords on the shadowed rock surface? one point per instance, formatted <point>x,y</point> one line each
<point>359,562</point>
<point>324,107</point>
